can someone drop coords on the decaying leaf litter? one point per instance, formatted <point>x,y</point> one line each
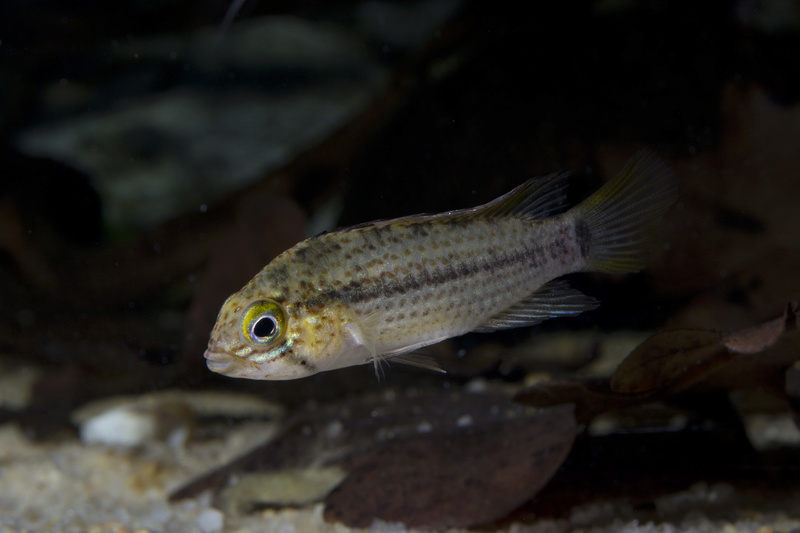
<point>725,265</point>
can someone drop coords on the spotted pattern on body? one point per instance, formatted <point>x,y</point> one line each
<point>386,288</point>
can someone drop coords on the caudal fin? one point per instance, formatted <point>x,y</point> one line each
<point>619,220</point>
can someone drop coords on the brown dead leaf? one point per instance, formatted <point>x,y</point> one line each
<point>462,478</point>
<point>759,338</point>
<point>673,361</point>
<point>686,361</point>
<point>590,397</point>
<point>667,358</point>
<point>452,440</point>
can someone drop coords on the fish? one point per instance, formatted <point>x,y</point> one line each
<point>382,290</point>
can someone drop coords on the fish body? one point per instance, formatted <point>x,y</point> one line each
<point>387,288</point>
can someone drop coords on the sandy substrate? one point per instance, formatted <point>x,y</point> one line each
<point>70,486</point>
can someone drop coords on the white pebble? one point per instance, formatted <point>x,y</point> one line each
<point>210,521</point>
<point>119,427</point>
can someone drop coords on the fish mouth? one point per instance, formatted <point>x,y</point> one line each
<point>220,363</point>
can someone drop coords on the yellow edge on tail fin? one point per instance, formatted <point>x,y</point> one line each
<point>622,216</point>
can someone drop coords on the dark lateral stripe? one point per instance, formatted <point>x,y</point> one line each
<point>371,288</point>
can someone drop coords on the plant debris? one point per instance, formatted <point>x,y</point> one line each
<point>429,459</point>
<point>680,362</point>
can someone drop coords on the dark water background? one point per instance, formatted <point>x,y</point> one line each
<point>151,162</point>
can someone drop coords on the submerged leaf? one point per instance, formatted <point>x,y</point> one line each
<point>674,362</point>
<point>763,336</point>
<point>456,458</point>
<point>590,397</point>
<point>460,478</point>
<point>291,487</point>
<point>666,359</point>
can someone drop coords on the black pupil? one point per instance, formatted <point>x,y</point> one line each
<point>264,327</point>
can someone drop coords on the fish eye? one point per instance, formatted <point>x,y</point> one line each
<point>264,327</point>
<point>263,323</point>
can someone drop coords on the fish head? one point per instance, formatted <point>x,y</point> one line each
<point>265,336</point>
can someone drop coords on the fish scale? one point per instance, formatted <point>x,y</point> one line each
<point>436,278</point>
<point>387,288</point>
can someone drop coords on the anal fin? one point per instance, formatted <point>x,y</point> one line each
<point>553,299</point>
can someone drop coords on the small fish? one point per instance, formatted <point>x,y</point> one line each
<point>387,288</point>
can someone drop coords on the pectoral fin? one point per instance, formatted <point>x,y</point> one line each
<point>363,334</point>
<point>553,299</point>
<point>420,361</point>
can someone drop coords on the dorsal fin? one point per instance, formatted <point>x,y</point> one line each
<point>536,199</point>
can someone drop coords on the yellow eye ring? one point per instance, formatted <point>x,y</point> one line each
<point>263,323</point>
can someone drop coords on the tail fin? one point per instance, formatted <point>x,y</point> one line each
<point>622,216</point>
